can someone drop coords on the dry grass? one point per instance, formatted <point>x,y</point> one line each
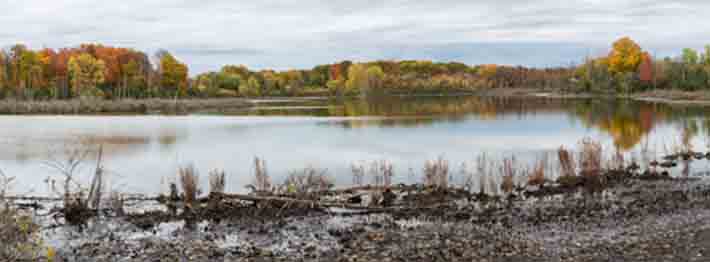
<point>436,173</point>
<point>217,181</point>
<point>617,161</point>
<point>567,164</point>
<point>5,184</point>
<point>117,203</point>
<point>482,168</point>
<point>509,172</point>
<point>262,181</point>
<point>467,177</point>
<point>537,177</point>
<point>590,157</point>
<point>381,173</point>
<point>308,180</point>
<point>358,173</point>
<point>189,180</point>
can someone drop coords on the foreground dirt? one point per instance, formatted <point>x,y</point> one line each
<point>664,220</point>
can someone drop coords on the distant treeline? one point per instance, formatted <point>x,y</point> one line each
<point>94,70</point>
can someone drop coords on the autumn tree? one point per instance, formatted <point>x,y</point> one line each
<point>3,72</point>
<point>625,56</point>
<point>251,87</point>
<point>86,73</point>
<point>357,78</point>
<point>173,74</point>
<point>646,69</point>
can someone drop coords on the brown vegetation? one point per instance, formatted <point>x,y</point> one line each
<point>189,180</point>
<point>262,181</point>
<point>308,180</point>
<point>436,173</point>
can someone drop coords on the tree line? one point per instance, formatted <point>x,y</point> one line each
<point>95,70</point>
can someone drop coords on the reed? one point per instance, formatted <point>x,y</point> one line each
<point>537,176</point>
<point>590,157</point>
<point>567,164</point>
<point>436,173</point>
<point>262,181</point>
<point>189,180</point>
<point>509,173</point>
<point>308,180</point>
<point>217,181</point>
<point>358,174</point>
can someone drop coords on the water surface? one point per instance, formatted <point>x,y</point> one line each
<point>142,153</point>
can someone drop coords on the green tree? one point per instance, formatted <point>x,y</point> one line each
<point>706,56</point>
<point>690,56</point>
<point>86,74</point>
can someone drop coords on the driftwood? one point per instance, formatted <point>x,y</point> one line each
<point>311,203</point>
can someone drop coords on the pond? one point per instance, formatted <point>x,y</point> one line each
<point>142,153</point>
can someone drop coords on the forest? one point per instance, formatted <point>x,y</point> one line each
<point>99,71</point>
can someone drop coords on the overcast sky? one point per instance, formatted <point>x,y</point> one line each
<point>301,33</point>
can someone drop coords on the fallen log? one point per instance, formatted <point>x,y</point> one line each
<point>311,203</point>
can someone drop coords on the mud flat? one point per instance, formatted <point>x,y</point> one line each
<point>635,217</point>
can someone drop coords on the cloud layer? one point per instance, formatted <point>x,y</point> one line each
<point>300,34</point>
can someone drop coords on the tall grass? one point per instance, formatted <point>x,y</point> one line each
<point>189,180</point>
<point>381,173</point>
<point>436,173</point>
<point>308,180</point>
<point>590,157</point>
<point>358,174</point>
<point>262,181</point>
<point>567,164</point>
<point>537,176</point>
<point>217,181</point>
<point>509,173</point>
<point>482,165</point>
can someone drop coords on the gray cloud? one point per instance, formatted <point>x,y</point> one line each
<point>285,34</point>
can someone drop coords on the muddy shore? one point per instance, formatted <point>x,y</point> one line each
<point>640,219</point>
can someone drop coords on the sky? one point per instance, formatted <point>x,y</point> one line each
<point>207,34</point>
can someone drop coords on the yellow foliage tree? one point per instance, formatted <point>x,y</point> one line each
<point>357,78</point>
<point>173,74</point>
<point>625,56</point>
<point>86,74</point>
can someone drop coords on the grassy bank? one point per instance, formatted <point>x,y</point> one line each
<point>99,106</point>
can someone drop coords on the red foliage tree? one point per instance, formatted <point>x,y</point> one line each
<point>646,68</point>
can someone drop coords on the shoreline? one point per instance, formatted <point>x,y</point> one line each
<point>604,211</point>
<point>640,219</point>
<point>185,106</point>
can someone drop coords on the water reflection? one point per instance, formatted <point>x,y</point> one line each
<point>626,121</point>
<point>332,134</point>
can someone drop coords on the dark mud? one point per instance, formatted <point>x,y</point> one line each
<point>632,217</point>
